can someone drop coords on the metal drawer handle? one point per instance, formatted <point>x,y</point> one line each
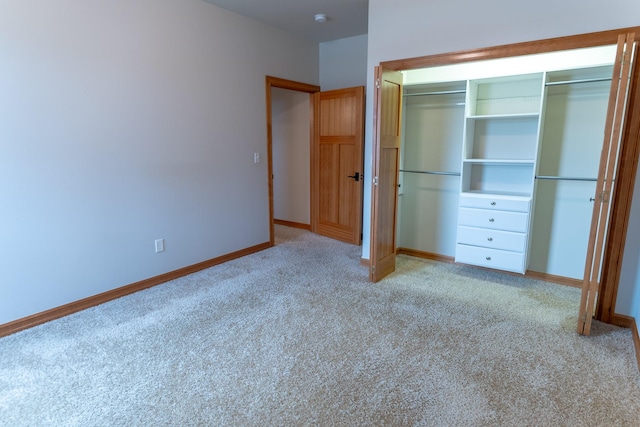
<point>491,219</point>
<point>488,258</point>
<point>493,203</point>
<point>490,239</point>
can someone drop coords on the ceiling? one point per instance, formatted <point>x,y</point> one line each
<point>345,18</point>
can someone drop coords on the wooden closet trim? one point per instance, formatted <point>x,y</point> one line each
<point>517,49</point>
<point>627,169</point>
<point>628,163</point>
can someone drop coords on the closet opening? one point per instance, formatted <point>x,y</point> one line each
<point>526,131</point>
<point>500,154</point>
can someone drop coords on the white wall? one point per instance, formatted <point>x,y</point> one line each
<point>291,142</point>
<point>123,122</point>
<point>343,63</point>
<point>413,28</point>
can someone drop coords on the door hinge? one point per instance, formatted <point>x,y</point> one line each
<point>604,197</point>
<point>373,268</point>
<point>377,83</point>
<point>375,181</point>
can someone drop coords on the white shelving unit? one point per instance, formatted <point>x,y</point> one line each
<point>503,123</point>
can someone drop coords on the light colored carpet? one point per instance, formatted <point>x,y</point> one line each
<point>296,336</point>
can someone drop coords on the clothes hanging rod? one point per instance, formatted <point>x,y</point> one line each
<point>439,104</point>
<point>565,178</point>
<point>432,172</point>
<point>441,92</point>
<point>570,82</point>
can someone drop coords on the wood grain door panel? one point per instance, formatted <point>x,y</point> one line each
<point>386,155</point>
<point>339,140</point>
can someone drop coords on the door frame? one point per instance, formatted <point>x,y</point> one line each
<point>271,82</point>
<point>628,161</point>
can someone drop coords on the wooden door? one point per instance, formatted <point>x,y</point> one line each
<point>618,100</point>
<point>386,157</point>
<point>338,164</point>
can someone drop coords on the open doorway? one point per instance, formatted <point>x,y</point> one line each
<point>286,99</point>
<point>291,153</point>
<point>320,180</point>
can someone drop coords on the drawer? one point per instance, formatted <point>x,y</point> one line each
<point>497,220</point>
<point>492,258</point>
<point>495,239</point>
<point>522,204</point>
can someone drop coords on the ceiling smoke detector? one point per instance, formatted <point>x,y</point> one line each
<point>320,17</point>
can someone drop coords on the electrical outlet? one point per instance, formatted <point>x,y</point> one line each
<point>159,245</point>
<point>256,157</point>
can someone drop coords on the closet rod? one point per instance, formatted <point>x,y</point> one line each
<point>432,172</point>
<point>442,92</point>
<point>439,104</point>
<point>570,82</point>
<point>565,178</point>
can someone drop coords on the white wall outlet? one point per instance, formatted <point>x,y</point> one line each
<point>159,245</point>
<point>256,157</point>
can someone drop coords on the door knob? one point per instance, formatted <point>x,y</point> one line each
<point>355,176</point>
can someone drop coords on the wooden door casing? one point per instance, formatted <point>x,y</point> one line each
<point>271,82</point>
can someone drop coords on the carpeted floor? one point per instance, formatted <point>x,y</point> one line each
<point>296,336</point>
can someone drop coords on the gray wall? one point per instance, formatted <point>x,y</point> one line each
<point>412,28</point>
<point>628,301</point>
<point>343,63</point>
<point>124,122</point>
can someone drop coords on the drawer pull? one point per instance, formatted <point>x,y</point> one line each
<point>488,258</point>
<point>493,203</point>
<point>491,219</point>
<point>490,239</point>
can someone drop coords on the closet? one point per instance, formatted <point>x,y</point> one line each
<point>499,160</point>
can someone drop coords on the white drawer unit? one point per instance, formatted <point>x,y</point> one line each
<point>493,231</point>
<point>494,219</point>
<point>494,239</point>
<point>484,201</point>
<point>492,258</point>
